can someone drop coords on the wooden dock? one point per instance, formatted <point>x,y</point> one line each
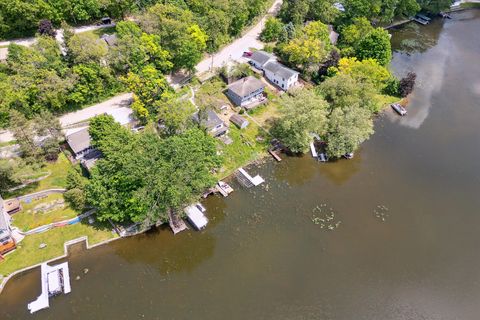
<point>176,224</point>
<point>274,155</point>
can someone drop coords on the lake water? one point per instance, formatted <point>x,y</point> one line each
<point>406,245</point>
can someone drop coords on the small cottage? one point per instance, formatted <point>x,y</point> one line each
<point>239,121</point>
<point>280,75</point>
<point>259,58</point>
<point>246,91</point>
<point>212,122</point>
<point>80,143</point>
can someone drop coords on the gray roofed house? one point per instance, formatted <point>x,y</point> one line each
<point>239,121</point>
<point>259,58</point>
<point>215,126</point>
<point>246,91</point>
<point>332,35</point>
<point>280,75</point>
<point>80,143</point>
<point>110,39</point>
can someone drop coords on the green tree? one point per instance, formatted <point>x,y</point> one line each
<point>93,82</point>
<point>85,48</point>
<point>368,70</point>
<point>75,194</point>
<point>302,115</point>
<point>310,47</point>
<point>272,30</point>
<point>434,6</point>
<point>148,86</point>
<point>175,115</point>
<point>347,128</point>
<point>375,45</point>
<point>143,177</point>
<point>24,134</point>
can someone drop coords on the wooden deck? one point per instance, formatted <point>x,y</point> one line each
<point>176,224</point>
<point>274,155</point>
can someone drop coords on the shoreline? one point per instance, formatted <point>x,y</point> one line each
<point>65,254</point>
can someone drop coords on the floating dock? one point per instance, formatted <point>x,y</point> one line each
<point>196,216</point>
<point>313,150</point>
<point>247,180</point>
<point>54,280</point>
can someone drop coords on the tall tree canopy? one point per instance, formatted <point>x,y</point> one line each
<point>143,177</point>
<point>303,114</point>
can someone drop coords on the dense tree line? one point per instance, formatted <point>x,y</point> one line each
<point>297,11</point>
<point>143,177</point>
<point>352,76</point>
<point>169,36</point>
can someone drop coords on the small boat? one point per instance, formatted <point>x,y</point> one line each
<point>424,17</point>
<point>348,155</point>
<point>399,109</point>
<point>322,157</point>
<point>224,188</point>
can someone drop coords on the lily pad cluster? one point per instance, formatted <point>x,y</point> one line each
<point>325,217</point>
<point>381,213</point>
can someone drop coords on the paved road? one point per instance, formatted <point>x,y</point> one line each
<point>29,41</point>
<point>235,50</point>
<point>120,101</point>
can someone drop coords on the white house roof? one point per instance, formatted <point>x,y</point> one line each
<point>261,57</point>
<point>279,70</point>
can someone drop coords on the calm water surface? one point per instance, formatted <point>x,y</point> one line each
<point>262,257</point>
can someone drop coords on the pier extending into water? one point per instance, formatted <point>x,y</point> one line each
<point>54,280</point>
<point>247,180</point>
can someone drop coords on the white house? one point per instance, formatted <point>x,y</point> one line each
<point>260,58</point>
<point>280,75</point>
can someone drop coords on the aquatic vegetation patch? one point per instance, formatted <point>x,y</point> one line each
<point>325,217</point>
<point>381,213</point>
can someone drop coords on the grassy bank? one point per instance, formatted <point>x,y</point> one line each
<point>57,178</point>
<point>28,252</point>
<point>31,216</point>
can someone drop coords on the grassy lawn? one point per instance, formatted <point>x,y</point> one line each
<point>57,179</point>
<point>7,143</point>
<point>28,219</point>
<point>100,32</point>
<point>244,149</point>
<point>386,100</point>
<point>210,94</point>
<point>470,5</point>
<point>28,252</point>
